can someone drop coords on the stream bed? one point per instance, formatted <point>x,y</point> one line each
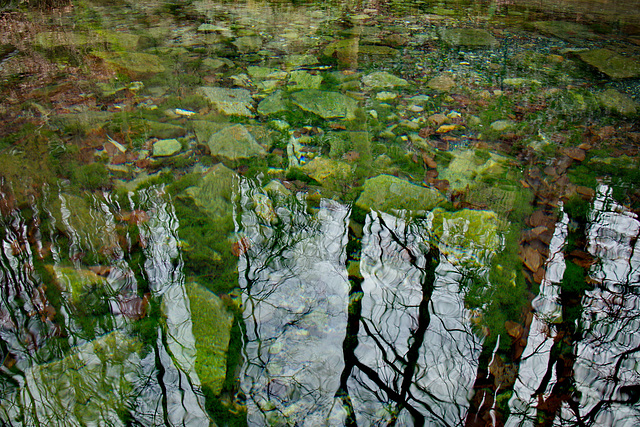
<point>320,213</point>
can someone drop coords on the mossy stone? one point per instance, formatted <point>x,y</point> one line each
<point>273,104</point>
<point>230,102</point>
<point>166,147</point>
<point>211,327</point>
<point>77,219</point>
<point>383,80</point>
<point>389,194</point>
<point>466,169</point>
<point>328,105</point>
<point>215,191</point>
<point>163,130</point>
<point>235,142</point>
<point>135,64</point>
<point>76,282</point>
<point>301,79</point>
<point>470,235</point>
<point>332,174</point>
<point>617,102</point>
<point>612,64</point>
<point>58,39</point>
<point>468,37</point>
<point>570,31</point>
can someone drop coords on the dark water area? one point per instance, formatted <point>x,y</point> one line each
<point>306,213</point>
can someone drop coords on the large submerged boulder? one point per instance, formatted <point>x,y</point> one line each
<point>612,64</point>
<point>390,194</point>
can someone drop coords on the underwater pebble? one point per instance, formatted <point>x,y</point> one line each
<point>386,96</point>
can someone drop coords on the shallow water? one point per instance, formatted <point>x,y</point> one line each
<point>405,213</point>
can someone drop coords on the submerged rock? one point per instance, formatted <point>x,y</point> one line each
<point>502,125</point>
<point>204,129</point>
<point>231,102</point>
<point>388,194</point>
<point>82,122</point>
<point>163,130</point>
<point>468,235</point>
<point>383,80</point>
<point>620,103</point>
<point>166,147</point>
<point>468,167</point>
<point>215,191</point>
<point>570,31</point>
<point>94,384</point>
<point>328,105</point>
<point>77,283</point>
<point>304,80</point>
<point>612,64</point>
<point>58,39</point>
<point>120,40</point>
<point>272,104</point>
<point>133,63</point>
<point>235,142</point>
<point>351,144</point>
<point>211,327</point>
<point>468,37</point>
<point>248,44</point>
<point>330,173</point>
<point>442,82</point>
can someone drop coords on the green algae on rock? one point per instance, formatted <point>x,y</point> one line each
<point>569,31</point>
<point>77,219</point>
<point>58,39</point>
<point>273,104</point>
<point>135,64</point>
<point>468,167</point>
<point>468,37</point>
<point>301,79</point>
<point>612,64</point>
<point>468,235</point>
<point>390,194</point>
<point>162,130</point>
<point>77,283</point>
<point>235,142</point>
<point>617,102</point>
<point>211,327</point>
<point>230,102</point>
<point>166,147</point>
<point>332,174</point>
<point>328,105</point>
<point>383,80</point>
<point>215,191</point>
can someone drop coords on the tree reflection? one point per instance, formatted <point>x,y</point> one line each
<point>591,352</point>
<point>409,351</point>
